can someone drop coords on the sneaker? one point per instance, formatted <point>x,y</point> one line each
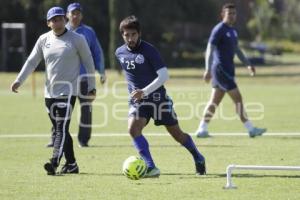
<point>50,144</point>
<point>202,134</point>
<point>200,168</point>
<point>50,168</point>
<point>257,132</point>
<point>70,168</point>
<point>83,144</point>
<point>152,173</point>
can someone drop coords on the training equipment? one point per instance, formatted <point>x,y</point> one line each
<point>230,168</point>
<point>134,168</point>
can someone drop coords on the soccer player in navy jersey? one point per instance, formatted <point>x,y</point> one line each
<point>146,73</point>
<point>220,69</point>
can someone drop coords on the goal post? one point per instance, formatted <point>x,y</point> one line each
<point>6,43</point>
<point>14,42</point>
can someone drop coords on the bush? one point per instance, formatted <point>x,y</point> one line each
<point>284,46</point>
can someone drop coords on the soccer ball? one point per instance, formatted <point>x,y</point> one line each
<point>134,168</point>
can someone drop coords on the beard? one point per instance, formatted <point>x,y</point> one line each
<point>134,45</point>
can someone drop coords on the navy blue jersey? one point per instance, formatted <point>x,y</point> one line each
<point>140,66</point>
<point>225,38</point>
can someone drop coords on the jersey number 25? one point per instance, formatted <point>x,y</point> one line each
<point>130,64</point>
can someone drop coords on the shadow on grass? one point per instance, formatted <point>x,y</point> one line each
<point>194,176</point>
<point>154,146</point>
<point>180,175</point>
<point>217,176</point>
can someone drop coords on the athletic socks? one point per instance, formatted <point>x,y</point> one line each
<point>248,125</point>
<point>203,126</point>
<point>142,146</point>
<point>191,147</point>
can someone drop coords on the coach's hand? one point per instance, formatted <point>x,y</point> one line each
<point>102,78</point>
<point>92,95</point>
<point>252,70</point>
<point>137,95</point>
<point>207,76</point>
<point>15,86</point>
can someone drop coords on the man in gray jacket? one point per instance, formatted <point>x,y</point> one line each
<point>62,51</point>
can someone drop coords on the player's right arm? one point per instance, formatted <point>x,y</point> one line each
<point>213,41</point>
<point>29,66</point>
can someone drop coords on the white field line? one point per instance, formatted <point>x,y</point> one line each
<point>42,135</point>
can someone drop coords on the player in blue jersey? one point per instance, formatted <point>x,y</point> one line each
<point>146,73</point>
<point>74,15</point>
<point>220,69</point>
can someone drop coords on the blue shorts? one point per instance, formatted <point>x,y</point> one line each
<point>222,80</point>
<point>159,109</point>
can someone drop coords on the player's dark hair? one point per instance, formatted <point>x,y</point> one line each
<point>130,22</point>
<point>227,6</point>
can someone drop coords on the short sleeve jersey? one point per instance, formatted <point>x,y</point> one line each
<point>225,38</point>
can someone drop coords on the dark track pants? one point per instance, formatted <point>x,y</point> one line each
<point>60,110</point>
<point>85,125</point>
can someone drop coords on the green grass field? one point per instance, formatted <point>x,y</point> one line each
<point>272,99</point>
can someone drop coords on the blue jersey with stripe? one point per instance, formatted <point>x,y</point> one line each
<point>140,65</point>
<point>225,38</point>
<point>95,47</point>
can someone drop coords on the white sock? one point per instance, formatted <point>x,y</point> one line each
<point>248,125</point>
<point>203,126</point>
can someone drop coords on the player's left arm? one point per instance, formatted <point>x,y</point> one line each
<point>162,77</point>
<point>87,61</point>
<point>98,56</point>
<point>245,60</point>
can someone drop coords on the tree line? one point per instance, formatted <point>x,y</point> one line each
<point>179,28</point>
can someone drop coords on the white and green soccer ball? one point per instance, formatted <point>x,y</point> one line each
<point>134,168</point>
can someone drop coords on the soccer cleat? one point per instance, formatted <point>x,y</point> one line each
<point>202,134</point>
<point>257,132</point>
<point>50,168</point>
<point>70,168</point>
<point>200,168</point>
<point>83,144</point>
<point>152,173</point>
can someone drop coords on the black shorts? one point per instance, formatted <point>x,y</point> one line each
<point>159,109</point>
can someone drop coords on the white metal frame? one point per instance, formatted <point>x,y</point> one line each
<point>21,49</point>
<point>230,168</point>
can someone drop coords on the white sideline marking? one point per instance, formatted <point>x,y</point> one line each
<point>41,135</point>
